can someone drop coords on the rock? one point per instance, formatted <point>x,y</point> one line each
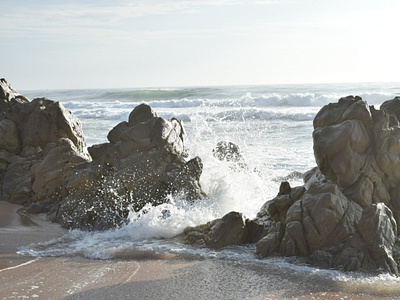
<point>144,164</point>
<point>231,229</point>
<point>44,163</point>
<point>7,92</point>
<point>141,113</point>
<point>347,213</point>
<point>198,235</point>
<point>378,230</point>
<point>278,207</point>
<point>322,219</point>
<point>335,222</point>
<point>284,188</point>
<point>9,137</point>
<point>348,108</point>
<point>347,141</point>
<point>98,150</point>
<point>270,243</point>
<point>9,96</point>
<point>115,133</point>
<point>392,108</point>
<point>321,258</point>
<point>49,121</point>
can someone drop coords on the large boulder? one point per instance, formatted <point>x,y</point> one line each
<point>347,213</point>
<point>144,163</point>
<point>348,216</point>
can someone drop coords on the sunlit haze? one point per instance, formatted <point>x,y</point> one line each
<point>99,44</point>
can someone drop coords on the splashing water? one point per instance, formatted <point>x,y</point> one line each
<point>272,127</point>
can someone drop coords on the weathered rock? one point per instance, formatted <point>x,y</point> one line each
<point>141,113</point>
<point>321,258</point>
<point>9,137</point>
<point>270,243</point>
<point>378,230</point>
<point>348,108</point>
<point>279,206</point>
<point>347,141</point>
<point>348,211</point>
<point>392,108</point>
<point>357,150</point>
<point>9,96</point>
<point>115,133</point>
<point>144,164</point>
<point>38,122</point>
<point>46,122</point>
<point>44,163</point>
<point>323,218</point>
<point>231,229</point>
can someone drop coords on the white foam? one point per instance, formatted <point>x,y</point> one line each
<point>271,125</point>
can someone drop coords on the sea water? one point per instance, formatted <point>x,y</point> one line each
<point>272,125</point>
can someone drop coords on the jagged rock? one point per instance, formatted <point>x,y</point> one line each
<point>357,151</point>
<point>9,96</point>
<point>378,230</point>
<point>46,122</point>
<point>348,108</point>
<point>38,122</point>
<point>231,229</point>
<point>347,213</point>
<point>392,108</point>
<point>9,137</point>
<point>321,219</point>
<point>144,164</point>
<point>346,141</point>
<point>270,243</point>
<point>44,163</point>
<point>279,206</point>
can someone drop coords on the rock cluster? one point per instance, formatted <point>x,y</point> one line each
<point>347,214</point>
<point>45,165</point>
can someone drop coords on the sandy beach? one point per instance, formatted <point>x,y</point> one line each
<point>141,277</point>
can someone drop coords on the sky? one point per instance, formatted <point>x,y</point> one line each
<point>53,44</point>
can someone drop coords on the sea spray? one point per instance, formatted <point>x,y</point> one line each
<point>272,125</point>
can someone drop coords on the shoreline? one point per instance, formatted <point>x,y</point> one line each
<point>166,278</point>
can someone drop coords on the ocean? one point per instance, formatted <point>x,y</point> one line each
<point>271,124</point>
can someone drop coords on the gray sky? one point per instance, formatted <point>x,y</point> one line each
<point>110,44</point>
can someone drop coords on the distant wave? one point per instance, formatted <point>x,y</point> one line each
<point>182,98</point>
<point>241,114</point>
<point>145,95</point>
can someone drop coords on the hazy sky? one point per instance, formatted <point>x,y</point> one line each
<point>114,43</point>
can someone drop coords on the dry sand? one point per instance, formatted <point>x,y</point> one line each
<point>168,278</point>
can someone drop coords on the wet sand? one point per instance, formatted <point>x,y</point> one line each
<point>143,278</point>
